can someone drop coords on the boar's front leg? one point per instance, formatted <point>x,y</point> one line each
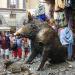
<point>44,57</point>
<point>32,56</point>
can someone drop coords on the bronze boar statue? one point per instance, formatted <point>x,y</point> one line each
<point>44,41</point>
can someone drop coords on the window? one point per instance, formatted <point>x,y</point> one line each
<point>12,3</point>
<point>12,15</point>
<point>24,2</point>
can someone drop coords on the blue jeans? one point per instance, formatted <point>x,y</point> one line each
<point>69,50</point>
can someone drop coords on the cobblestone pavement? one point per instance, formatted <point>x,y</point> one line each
<point>65,68</point>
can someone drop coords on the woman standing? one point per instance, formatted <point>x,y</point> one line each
<point>25,47</point>
<point>64,30</point>
<point>13,45</point>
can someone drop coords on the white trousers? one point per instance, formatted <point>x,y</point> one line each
<point>4,51</point>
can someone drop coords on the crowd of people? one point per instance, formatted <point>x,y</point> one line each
<point>18,46</point>
<point>61,20</point>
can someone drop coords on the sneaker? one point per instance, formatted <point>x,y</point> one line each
<point>70,59</point>
<point>70,66</point>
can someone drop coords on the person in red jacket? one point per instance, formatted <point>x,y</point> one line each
<point>5,45</point>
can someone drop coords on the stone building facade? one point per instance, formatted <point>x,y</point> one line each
<point>12,14</point>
